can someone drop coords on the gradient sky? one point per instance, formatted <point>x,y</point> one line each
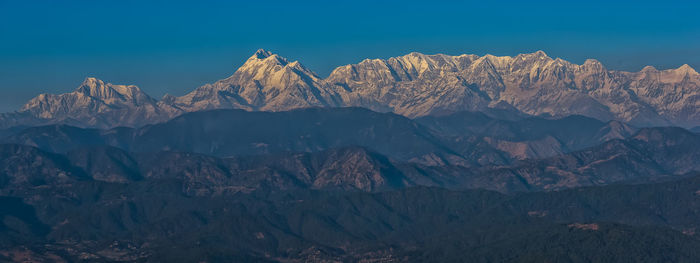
<point>176,46</point>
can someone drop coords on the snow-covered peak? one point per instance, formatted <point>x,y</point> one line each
<point>96,88</point>
<point>264,64</point>
<point>537,55</point>
<point>592,62</point>
<point>263,59</point>
<point>649,69</point>
<point>592,65</point>
<point>686,69</point>
<point>668,75</point>
<point>261,54</point>
<point>92,82</point>
<point>676,75</point>
<point>96,104</point>
<point>266,81</point>
<point>498,60</point>
<point>540,53</point>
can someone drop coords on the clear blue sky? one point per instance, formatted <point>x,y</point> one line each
<point>176,46</point>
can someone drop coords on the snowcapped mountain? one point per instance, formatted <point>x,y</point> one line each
<point>413,85</point>
<point>93,104</point>
<point>417,85</point>
<point>265,82</point>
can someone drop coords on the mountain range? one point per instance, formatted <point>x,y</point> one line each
<point>466,138</point>
<point>230,151</point>
<point>418,158</point>
<point>413,85</point>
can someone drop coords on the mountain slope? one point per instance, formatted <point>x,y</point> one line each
<point>236,132</point>
<point>525,138</point>
<point>25,166</point>
<point>652,154</point>
<point>466,139</point>
<point>346,169</point>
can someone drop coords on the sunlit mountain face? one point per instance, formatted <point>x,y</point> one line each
<point>422,157</point>
<point>413,85</point>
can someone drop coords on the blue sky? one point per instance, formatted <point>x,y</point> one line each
<point>176,46</point>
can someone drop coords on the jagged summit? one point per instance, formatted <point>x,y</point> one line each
<point>593,65</point>
<point>265,57</point>
<point>264,65</point>
<point>687,69</point>
<point>262,54</point>
<point>266,81</point>
<point>649,69</point>
<point>92,81</point>
<point>538,54</point>
<point>591,61</point>
<point>99,89</point>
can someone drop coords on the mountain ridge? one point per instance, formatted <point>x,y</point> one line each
<point>386,150</point>
<point>467,138</point>
<point>650,155</point>
<point>412,85</point>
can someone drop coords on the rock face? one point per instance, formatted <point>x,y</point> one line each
<point>413,85</point>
